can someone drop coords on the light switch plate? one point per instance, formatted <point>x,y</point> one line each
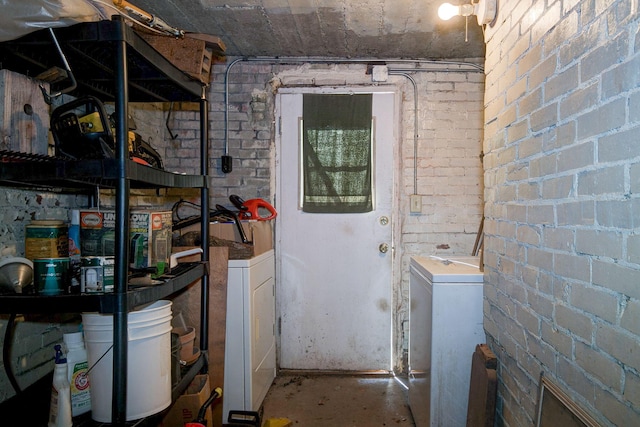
<point>416,203</point>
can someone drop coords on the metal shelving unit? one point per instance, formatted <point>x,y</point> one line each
<point>72,175</point>
<point>113,63</point>
<point>103,303</point>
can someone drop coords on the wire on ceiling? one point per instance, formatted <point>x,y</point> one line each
<point>404,72</point>
<point>302,60</point>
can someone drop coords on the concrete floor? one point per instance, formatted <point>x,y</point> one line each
<point>314,400</point>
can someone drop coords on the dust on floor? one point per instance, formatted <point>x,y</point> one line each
<point>338,401</point>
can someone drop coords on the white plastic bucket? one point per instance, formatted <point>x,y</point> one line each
<point>148,361</point>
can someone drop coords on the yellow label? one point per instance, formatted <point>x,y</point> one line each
<point>91,123</point>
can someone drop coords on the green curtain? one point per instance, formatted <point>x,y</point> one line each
<point>337,153</point>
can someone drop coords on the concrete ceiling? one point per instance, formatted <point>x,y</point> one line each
<point>384,29</point>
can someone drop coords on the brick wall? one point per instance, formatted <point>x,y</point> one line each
<point>449,175</point>
<point>34,337</point>
<point>562,164</point>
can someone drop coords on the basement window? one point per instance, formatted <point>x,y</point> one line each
<point>556,408</point>
<point>337,153</point>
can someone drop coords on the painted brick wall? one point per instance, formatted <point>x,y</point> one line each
<point>449,176</point>
<point>449,167</point>
<point>450,116</point>
<point>562,164</point>
<point>34,337</point>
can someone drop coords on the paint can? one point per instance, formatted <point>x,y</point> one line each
<point>46,239</point>
<point>51,275</point>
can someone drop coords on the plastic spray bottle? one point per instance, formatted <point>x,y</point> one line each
<point>77,366</point>
<point>60,409</point>
<point>74,253</point>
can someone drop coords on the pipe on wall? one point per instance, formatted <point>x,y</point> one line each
<point>415,125</point>
<point>469,67</point>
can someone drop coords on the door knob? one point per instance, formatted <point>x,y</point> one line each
<point>383,248</point>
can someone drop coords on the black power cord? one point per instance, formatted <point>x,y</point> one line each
<point>6,352</point>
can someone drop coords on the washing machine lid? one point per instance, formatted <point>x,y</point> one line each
<point>459,269</point>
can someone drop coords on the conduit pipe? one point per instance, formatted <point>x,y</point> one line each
<point>401,72</point>
<point>404,73</point>
<point>415,125</point>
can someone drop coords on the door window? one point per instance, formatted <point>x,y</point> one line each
<point>337,150</point>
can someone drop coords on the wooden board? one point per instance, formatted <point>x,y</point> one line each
<point>188,304</point>
<point>482,388</point>
<point>24,114</point>
<point>194,53</point>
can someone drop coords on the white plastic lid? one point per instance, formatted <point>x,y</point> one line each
<point>73,340</point>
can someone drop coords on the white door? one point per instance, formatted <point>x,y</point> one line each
<point>334,270</point>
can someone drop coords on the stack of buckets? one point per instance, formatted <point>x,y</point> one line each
<point>148,361</point>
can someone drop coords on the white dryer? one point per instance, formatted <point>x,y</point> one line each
<point>445,325</point>
<point>250,348</point>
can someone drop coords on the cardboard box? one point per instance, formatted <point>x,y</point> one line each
<point>259,233</point>
<point>194,54</point>
<point>97,232</point>
<point>150,233</point>
<point>97,274</point>
<point>186,408</point>
<point>150,240</point>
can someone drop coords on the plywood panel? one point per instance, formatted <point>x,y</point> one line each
<point>188,304</point>
<point>482,388</point>
<point>24,114</point>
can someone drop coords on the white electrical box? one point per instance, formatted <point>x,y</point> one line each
<point>380,73</point>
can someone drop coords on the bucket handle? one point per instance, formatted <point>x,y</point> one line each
<point>109,349</point>
<point>99,359</point>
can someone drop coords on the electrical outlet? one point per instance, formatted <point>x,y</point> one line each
<point>416,203</point>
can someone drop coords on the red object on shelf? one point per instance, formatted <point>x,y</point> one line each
<point>253,207</point>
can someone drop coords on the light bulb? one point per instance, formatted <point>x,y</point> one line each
<point>447,11</point>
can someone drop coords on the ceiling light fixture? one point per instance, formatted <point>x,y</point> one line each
<point>485,11</point>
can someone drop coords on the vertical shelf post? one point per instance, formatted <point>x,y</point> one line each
<point>204,224</point>
<point>120,333</point>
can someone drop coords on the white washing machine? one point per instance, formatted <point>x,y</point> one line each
<point>445,325</point>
